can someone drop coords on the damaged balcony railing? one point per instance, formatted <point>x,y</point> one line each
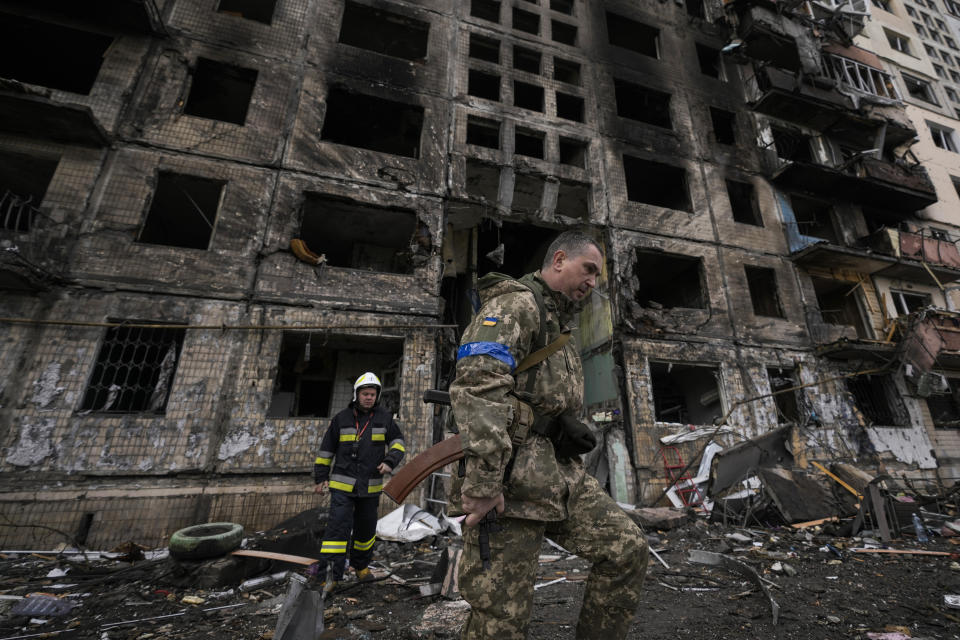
<point>859,77</point>
<point>16,212</point>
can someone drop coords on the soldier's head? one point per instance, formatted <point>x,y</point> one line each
<point>572,264</point>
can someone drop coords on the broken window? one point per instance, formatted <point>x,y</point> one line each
<point>528,142</point>
<point>526,21</point>
<point>563,33</point>
<point>566,71</point>
<point>384,32</point>
<point>642,104</point>
<point>373,123</point>
<point>315,373</point>
<point>876,397</point>
<point>220,91</point>
<point>919,89</point>
<point>573,200</point>
<point>258,10</point>
<point>527,96</point>
<point>839,304</point>
<point>483,132</point>
<point>688,394</point>
<point>695,8</point>
<point>711,62</point>
<point>669,280</point>
<point>183,212</point>
<point>658,184</point>
<point>569,107</point>
<point>762,284</point>
<point>785,397</point>
<point>134,369</point>
<point>562,6</point>
<point>791,145</point>
<point>573,152</point>
<point>635,36</point>
<point>943,137</point>
<point>23,184</point>
<point>511,248</point>
<point>898,42</point>
<point>483,48</point>
<point>526,59</point>
<point>906,302</point>
<point>743,203</point>
<point>485,10</point>
<point>50,55</point>
<point>482,181</point>
<point>483,85</point>
<point>724,125</point>
<point>376,238</point>
<point>814,218</point>
<point>944,405</point>
<point>527,192</point>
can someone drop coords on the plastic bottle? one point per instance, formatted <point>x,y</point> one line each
<point>919,529</point>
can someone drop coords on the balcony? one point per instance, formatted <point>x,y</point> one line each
<point>769,35</point>
<point>862,180</point>
<point>127,16</point>
<point>37,116</point>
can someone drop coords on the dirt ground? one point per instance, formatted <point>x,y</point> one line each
<point>821,592</point>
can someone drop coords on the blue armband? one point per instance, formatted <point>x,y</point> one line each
<point>494,349</point>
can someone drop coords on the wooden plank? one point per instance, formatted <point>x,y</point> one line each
<point>838,480</point>
<point>879,512</point>
<point>270,555</point>
<point>813,523</point>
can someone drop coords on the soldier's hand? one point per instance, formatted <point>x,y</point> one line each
<point>320,488</point>
<point>476,508</point>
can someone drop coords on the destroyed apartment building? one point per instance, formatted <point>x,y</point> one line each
<point>216,214</point>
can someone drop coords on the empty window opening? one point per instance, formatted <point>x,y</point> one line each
<point>876,398</point>
<point>523,247</point>
<point>943,137</point>
<point>658,184</point>
<point>762,284</point>
<point>527,96</point>
<point>566,71</point>
<point>573,152</point>
<point>483,48</point>
<point>23,184</point>
<point>257,10</point>
<point>526,21</point>
<point>569,107</point>
<point>635,36</point>
<point>563,33</point>
<point>315,373</point>
<point>220,91</point>
<point>695,8</point>
<point>482,181</point>
<point>878,218</point>
<point>669,281</point>
<point>527,192</point>
<point>573,200</point>
<point>483,85</point>
<point>839,304</point>
<point>373,123</point>
<point>528,142</point>
<point>688,394</point>
<point>711,62</point>
<point>791,145</point>
<point>724,125</point>
<point>134,370</point>
<point>944,404</point>
<point>642,104</point>
<point>743,203</point>
<point>483,132</point>
<point>919,89</point>
<point>785,397</point>
<point>898,42</point>
<point>50,55</point>
<point>526,60</point>
<point>562,6</point>
<point>906,302</point>
<point>384,32</point>
<point>376,239</point>
<point>485,10</point>
<point>183,212</point>
<point>814,218</point>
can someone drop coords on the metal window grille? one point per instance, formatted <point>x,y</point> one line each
<point>16,212</point>
<point>859,77</point>
<point>134,370</point>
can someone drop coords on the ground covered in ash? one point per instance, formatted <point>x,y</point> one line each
<point>822,587</point>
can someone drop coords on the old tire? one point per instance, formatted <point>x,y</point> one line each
<point>205,540</point>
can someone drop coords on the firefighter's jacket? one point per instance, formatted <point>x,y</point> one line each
<point>350,462</point>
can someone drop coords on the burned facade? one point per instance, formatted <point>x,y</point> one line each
<point>217,214</point>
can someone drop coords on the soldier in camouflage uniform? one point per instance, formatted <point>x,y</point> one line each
<point>548,491</point>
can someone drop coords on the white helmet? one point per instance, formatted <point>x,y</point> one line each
<point>367,380</point>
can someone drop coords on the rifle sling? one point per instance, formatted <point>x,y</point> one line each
<point>540,355</point>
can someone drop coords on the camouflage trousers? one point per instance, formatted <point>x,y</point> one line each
<point>597,529</point>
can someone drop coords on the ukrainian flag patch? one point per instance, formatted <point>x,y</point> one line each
<point>489,322</point>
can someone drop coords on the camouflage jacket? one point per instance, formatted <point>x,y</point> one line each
<point>498,338</point>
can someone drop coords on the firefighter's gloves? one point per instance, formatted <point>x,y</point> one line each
<point>575,439</point>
